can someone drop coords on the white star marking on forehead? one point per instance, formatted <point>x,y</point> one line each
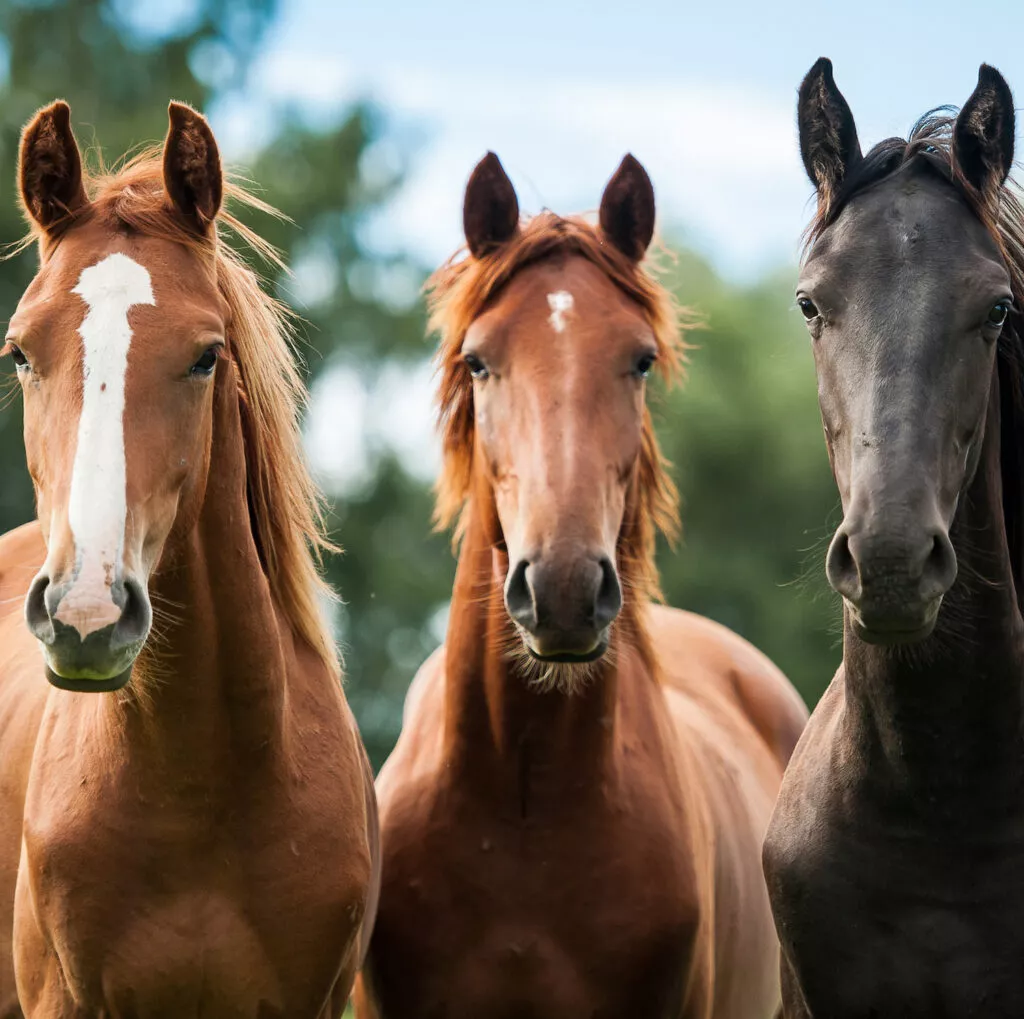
<point>559,302</point>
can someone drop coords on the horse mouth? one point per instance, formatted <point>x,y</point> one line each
<point>94,665</point>
<point>81,685</point>
<point>887,629</point>
<point>566,657</point>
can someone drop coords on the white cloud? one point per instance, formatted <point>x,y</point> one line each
<point>349,424</point>
<point>724,163</point>
<point>401,417</point>
<point>335,434</point>
<point>723,159</point>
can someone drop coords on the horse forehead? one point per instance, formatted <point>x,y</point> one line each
<point>567,291</point>
<point>918,220</point>
<point>127,272</point>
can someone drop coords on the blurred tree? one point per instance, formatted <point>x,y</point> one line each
<point>744,434</point>
<point>362,312</point>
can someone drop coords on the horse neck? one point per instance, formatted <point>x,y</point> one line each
<point>220,661</point>
<point>498,727</point>
<point>939,714</point>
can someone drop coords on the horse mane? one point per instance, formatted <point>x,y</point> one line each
<point>461,290</point>
<point>285,505</point>
<point>930,143</point>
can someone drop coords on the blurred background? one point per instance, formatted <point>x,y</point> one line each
<point>361,121</point>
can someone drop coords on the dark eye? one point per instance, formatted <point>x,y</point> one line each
<point>644,364</point>
<point>19,359</point>
<point>476,367</point>
<point>206,363</point>
<point>808,308</point>
<point>997,316</point>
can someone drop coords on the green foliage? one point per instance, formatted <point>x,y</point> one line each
<point>743,432</point>
<point>745,437</point>
<point>395,578</point>
<point>363,314</point>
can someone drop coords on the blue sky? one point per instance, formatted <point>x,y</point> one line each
<point>703,95</point>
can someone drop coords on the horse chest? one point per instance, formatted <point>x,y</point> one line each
<point>481,916</point>
<point>160,912</point>
<point>878,927</point>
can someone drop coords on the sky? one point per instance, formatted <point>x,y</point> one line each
<point>703,95</point>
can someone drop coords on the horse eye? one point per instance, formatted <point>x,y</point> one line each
<point>206,363</point>
<point>476,367</point>
<point>997,316</point>
<point>807,307</point>
<point>19,359</point>
<point>644,365</point>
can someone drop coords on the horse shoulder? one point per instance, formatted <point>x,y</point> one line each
<point>22,553</point>
<point>726,701</point>
<point>707,660</point>
<point>23,688</point>
<point>23,691</point>
<point>417,751</point>
<point>801,815</point>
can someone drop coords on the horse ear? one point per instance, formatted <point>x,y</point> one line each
<point>828,135</point>
<point>50,167</point>
<point>192,172</point>
<point>490,211</point>
<point>983,134</point>
<point>627,209</point>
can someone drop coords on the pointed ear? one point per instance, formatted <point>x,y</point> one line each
<point>490,211</point>
<point>983,134</point>
<point>828,135</point>
<point>50,167</point>
<point>192,173</point>
<point>627,209</point>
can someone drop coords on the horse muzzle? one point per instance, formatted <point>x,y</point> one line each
<point>892,585</point>
<point>564,611</point>
<point>93,647</point>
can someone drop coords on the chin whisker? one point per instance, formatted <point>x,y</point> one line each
<point>568,678</point>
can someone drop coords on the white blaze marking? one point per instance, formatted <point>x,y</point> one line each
<point>559,302</point>
<point>98,504</point>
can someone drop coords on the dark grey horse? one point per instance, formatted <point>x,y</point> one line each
<point>895,857</point>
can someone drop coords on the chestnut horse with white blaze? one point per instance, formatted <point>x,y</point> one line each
<point>571,822</point>
<point>187,818</point>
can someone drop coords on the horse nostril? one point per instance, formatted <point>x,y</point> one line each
<point>841,568</point>
<point>608,603</point>
<point>519,598</point>
<point>136,616</point>
<point>939,570</point>
<point>37,612</point>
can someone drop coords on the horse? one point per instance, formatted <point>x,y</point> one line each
<point>895,855</point>
<point>571,820</point>
<point>187,816</point>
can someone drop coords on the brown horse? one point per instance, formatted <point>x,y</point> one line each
<point>895,856</point>
<point>187,823</point>
<point>572,818</point>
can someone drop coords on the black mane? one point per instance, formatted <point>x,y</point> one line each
<point>930,142</point>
